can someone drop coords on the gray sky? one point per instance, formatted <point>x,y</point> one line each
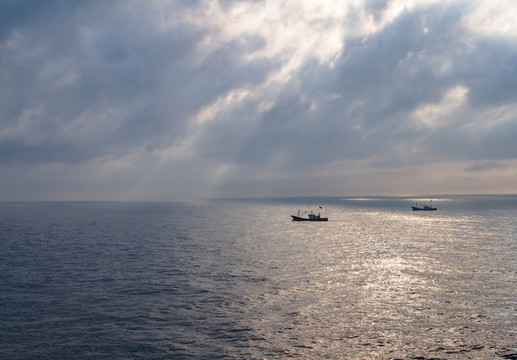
<point>165,100</point>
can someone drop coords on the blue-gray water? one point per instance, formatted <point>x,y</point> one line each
<point>239,279</point>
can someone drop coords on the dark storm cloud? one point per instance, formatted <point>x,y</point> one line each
<point>491,72</point>
<point>110,76</point>
<point>23,13</point>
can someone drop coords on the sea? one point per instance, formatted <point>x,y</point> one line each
<point>237,279</point>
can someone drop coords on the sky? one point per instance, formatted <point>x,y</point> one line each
<point>171,100</point>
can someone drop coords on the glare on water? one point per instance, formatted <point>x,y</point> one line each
<point>387,283</point>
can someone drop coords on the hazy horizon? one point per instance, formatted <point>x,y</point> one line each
<point>417,197</point>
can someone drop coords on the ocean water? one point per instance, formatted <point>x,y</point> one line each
<point>237,279</point>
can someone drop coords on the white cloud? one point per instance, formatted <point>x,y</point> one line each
<point>372,23</point>
<point>441,113</point>
<point>493,18</point>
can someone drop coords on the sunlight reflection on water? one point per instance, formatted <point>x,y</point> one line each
<point>377,283</point>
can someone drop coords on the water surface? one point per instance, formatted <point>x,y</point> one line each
<point>238,279</point>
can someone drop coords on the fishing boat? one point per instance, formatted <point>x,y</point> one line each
<point>423,207</point>
<point>310,217</point>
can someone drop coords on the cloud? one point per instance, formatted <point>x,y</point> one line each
<point>485,166</point>
<point>152,100</point>
<point>492,19</point>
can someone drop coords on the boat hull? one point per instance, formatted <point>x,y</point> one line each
<point>423,209</point>
<point>297,218</point>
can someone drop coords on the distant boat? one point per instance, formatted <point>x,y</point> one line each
<point>310,217</point>
<point>423,207</point>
